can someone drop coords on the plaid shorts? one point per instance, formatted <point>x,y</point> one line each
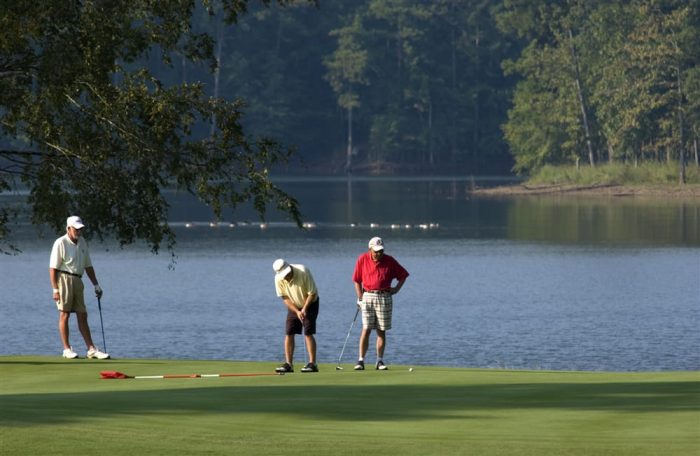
<point>376,310</point>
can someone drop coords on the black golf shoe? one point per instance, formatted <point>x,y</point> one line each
<point>360,366</point>
<point>310,367</point>
<point>285,368</point>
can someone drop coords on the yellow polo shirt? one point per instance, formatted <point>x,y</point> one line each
<point>301,285</point>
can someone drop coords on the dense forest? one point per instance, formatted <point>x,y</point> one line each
<point>471,86</point>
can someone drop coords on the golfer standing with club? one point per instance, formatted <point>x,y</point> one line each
<point>70,258</point>
<point>374,275</point>
<point>295,285</point>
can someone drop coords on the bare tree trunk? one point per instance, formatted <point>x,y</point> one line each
<point>431,147</point>
<point>477,113</point>
<point>348,154</point>
<point>581,99</point>
<point>453,114</point>
<point>681,139</point>
<point>217,72</point>
<point>695,146</point>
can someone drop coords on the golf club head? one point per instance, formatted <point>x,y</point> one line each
<point>338,368</point>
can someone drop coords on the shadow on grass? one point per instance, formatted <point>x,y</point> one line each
<point>354,402</point>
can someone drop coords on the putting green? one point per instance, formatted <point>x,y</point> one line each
<point>49,405</point>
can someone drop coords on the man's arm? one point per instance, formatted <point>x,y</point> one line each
<point>311,297</point>
<point>358,292</point>
<point>90,271</point>
<point>53,278</point>
<point>292,307</point>
<point>398,286</point>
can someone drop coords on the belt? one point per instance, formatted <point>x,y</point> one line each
<point>378,291</point>
<point>70,273</point>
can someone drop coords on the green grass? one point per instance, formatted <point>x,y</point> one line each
<point>55,406</point>
<point>617,174</point>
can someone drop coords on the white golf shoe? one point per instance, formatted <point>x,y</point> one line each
<point>95,353</point>
<point>69,353</point>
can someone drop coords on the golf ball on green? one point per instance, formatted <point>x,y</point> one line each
<point>410,369</point>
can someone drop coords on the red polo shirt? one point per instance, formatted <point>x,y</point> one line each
<point>379,275</point>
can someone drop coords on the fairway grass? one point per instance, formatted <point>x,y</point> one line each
<point>49,405</point>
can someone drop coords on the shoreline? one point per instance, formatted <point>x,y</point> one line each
<point>600,190</point>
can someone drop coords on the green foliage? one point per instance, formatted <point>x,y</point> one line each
<point>347,66</point>
<point>637,63</point>
<point>613,174</point>
<point>433,98</point>
<point>95,133</point>
<point>430,68</point>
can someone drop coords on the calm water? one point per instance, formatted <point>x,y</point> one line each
<point>532,283</point>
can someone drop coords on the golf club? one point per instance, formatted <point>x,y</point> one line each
<point>99,307</point>
<point>338,367</point>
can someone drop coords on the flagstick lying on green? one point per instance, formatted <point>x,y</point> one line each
<point>107,375</point>
<point>49,405</point>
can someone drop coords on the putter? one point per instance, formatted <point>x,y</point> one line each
<point>339,367</point>
<point>99,307</point>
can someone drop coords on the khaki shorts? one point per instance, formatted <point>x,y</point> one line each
<point>70,294</point>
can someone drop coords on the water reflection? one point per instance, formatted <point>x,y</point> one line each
<point>443,208</point>
<point>577,220</point>
<point>447,208</point>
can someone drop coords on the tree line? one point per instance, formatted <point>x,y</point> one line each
<point>604,81</point>
<point>473,86</point>
<point>372,86</point>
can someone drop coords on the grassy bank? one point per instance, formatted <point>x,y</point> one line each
<point>653,174</point>
<point>56,406</point>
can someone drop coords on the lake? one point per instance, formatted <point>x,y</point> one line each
<point>561,283</point>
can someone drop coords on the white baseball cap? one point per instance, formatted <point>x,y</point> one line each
<point>281,268</point>
<point>376,244</point>
<point>74,222</point>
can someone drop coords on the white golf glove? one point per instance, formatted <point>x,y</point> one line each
<point>359,303</point>
<point>98,291</point>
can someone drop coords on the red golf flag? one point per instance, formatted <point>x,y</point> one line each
<point>112,374</point>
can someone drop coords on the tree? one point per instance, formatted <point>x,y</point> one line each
<point>433,92</point>
<point>632,62</point>
<point>347,67</point>
<point>90,130</point>
<point>555,69</point>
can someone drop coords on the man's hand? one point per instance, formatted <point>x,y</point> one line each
<point>98,291</point>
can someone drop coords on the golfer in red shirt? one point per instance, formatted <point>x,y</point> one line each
<point>374,273</point>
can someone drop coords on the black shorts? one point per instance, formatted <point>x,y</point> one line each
<point>294,325</point>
